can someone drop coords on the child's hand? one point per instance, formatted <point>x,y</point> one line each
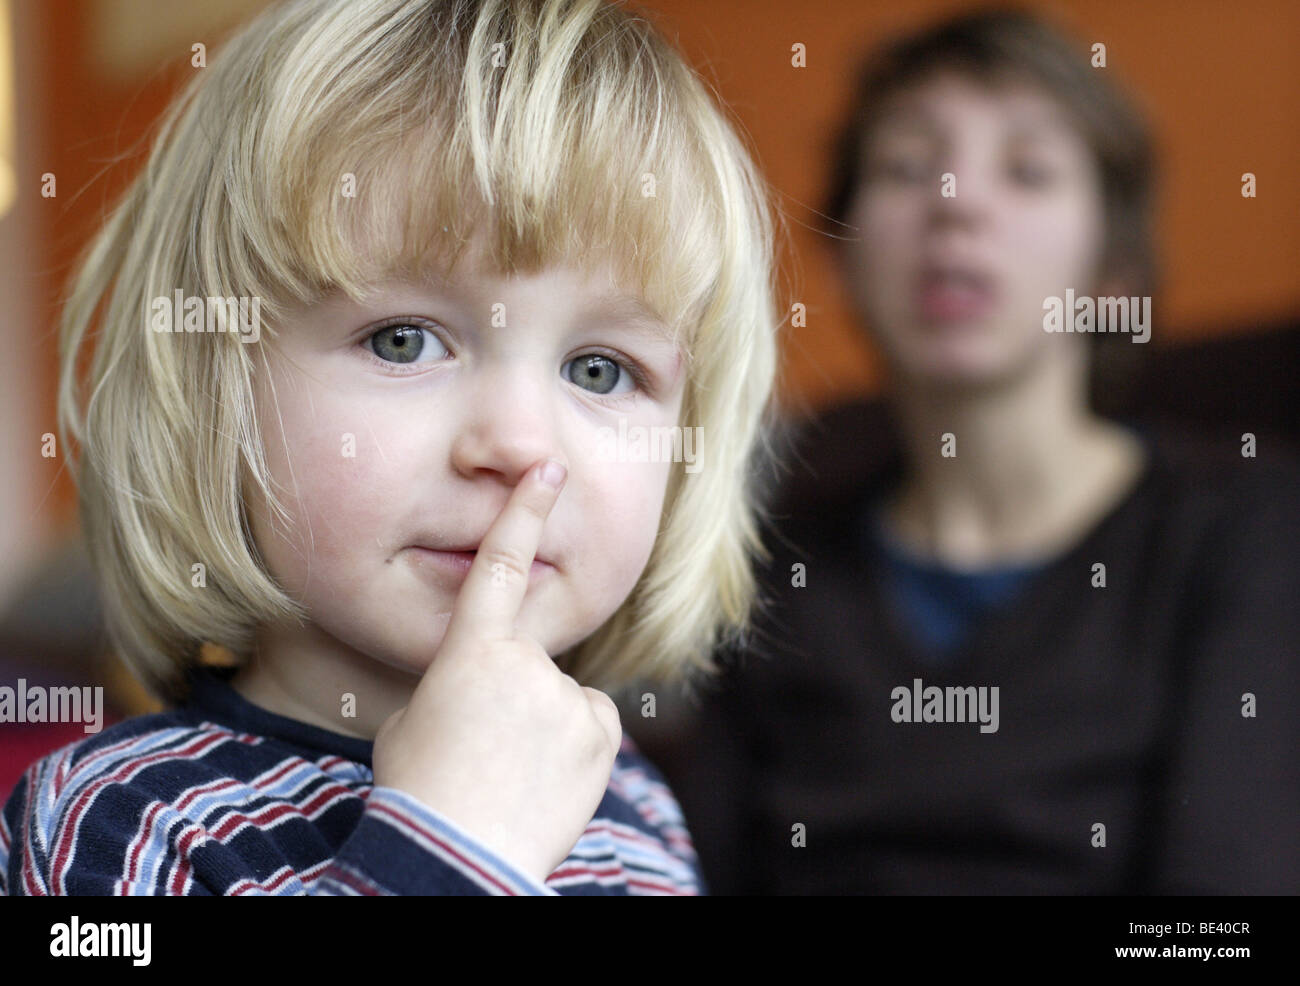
<point>496,737</point>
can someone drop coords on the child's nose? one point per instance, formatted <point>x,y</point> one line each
<point>507,424</point>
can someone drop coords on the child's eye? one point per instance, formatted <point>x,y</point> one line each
<point>400,343</point>
<point>600,373</point>
<point>603,375</point>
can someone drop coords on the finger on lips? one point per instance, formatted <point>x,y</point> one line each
<point>489,601</point>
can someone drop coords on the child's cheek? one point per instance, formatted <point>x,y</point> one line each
<point>332,480</point>
<point>615,519</point>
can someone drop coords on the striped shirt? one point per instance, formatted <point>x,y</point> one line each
<point>219,796</point>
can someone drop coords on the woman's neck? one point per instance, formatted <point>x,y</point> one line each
<point>1031,470</point>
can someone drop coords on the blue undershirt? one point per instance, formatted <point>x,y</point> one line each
<point>939,606</point>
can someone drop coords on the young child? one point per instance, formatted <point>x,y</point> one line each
<point>477,246</point>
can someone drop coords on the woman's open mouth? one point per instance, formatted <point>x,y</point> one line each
<point>952,294</point>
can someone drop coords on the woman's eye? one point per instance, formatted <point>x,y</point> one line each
<point>1031,174</point>
<point>903,158</point>
<point>399,343</point>
<point>903,169</point>
<point>597,373</point>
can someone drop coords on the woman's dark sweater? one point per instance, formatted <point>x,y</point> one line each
<point>1119,706</point>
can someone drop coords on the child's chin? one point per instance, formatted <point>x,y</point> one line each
<point>412,654</point>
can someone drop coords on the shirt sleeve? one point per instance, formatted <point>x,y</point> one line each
<point>6,845</point>
<point>1232,796</point>
<point>657,853</point>
<point>110,838</point>
<point>404,847</point>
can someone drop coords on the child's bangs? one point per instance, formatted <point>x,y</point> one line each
<point>587,163</point>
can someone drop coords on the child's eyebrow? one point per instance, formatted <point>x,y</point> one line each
<point>630,310</point>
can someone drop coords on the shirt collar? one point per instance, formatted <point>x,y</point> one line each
<point>212,697</point>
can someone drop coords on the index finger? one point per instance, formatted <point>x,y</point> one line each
<point>488,603</point>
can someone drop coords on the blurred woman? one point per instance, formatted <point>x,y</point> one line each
<point>1025,649</point>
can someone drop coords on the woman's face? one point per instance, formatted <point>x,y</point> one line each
<point>951,273</point>
<point>403,425</point>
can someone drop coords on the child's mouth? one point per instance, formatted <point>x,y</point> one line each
<point>456,564</point>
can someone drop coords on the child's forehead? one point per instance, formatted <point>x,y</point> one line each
<point>480,255</point>
<point>593,289</point>
<point>469,268</point>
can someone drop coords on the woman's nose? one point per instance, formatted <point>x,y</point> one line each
<point>963,196</point>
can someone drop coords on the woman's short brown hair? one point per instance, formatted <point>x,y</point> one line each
<point>997,45</point>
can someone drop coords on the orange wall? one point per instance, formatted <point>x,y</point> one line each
<point>1219,82</point>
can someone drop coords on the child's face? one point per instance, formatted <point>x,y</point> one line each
<point>384,445</point>
<point>953,285</point>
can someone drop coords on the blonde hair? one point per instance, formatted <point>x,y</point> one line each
<point>559,115</point>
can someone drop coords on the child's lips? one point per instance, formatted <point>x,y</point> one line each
<point>442,563</point>
<point>468,548</point>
